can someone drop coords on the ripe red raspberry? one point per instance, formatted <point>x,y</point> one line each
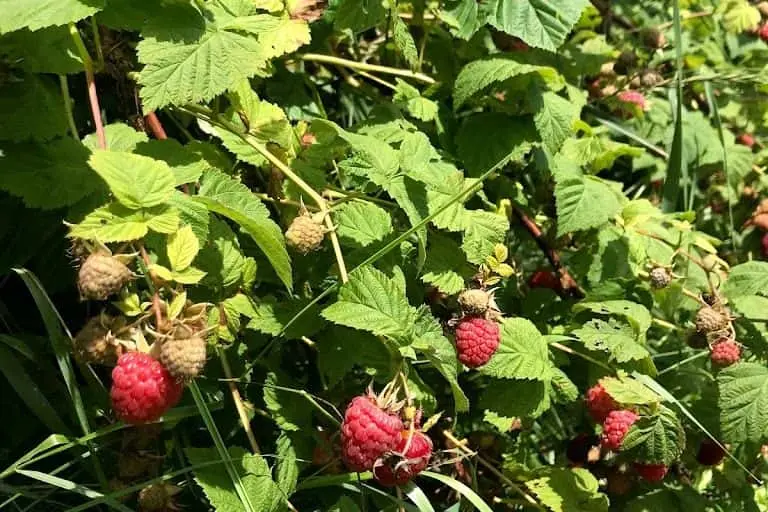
<point>600,403</point>
<point>633,97</point>
<point>763,32</point>
<point>476,340</point>
<point>615,427</point>
<point>399,468</point>
<point>142,389</point>
<point>725,352</point>
<point>764,243</point>
<point>710,453</point>
<point>544,279</point>
<point>651,472</point>
<point>368,432</point>
<point>746,139</point>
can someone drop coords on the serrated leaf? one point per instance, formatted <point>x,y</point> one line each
<point>119,136</point>
<point>362,222</point>
<point>628,391</point>
<point>485,139</point>
<point>739,16</point>
<point>372,302</point>
<point>117,223</point>
<point>49,50</point>
<point>187,166</point>
<point>221,257</point>
<point>563,388</point>
<point>33,108</point>
<point>189,275</point>
<point>584,202</point>
<point>446,265</point>
<point>743,402</point>
<point>462,17</point>
<point>540,23</point>
<point>404,42</point>
<point>177,305</point>
<point>287,474</point>
<point>569,490</point>
<point>288,410</point>
<point>160,271</point>
<point>554,117</point>
<point>136,181</point>
<point>750,278</point>
<point>35,14</point>
<point>271,317</point>
<point>255,474</point>
<point>341,349</point>
<point>182,248</point>
<point>638,316</point>
<point>476,76</point>
<point>505,401</point>
<point>232,199</point>
<point>522,354</point>
<point>615,338</point>
<point>48,175</point>
<point>192,214</point>
<point>359,15</point>
<point>483,231</point>
<point>655,439</point>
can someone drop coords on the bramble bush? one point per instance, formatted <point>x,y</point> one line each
<point>272,255</point>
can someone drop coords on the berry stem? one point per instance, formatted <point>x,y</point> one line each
<point>93,97</point>
<point>153,281</point>
<point>362,66</point>
<point>461,446</point>
<point>238,401</point>
<point>156,126</point>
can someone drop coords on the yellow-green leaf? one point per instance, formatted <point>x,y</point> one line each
<point>182,248</point>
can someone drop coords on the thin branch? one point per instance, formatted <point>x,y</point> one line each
<point>568,285</point>
<point>592,360</point>
<point>362,66</point>
<point>68,106</point>
<point>154,281</point>
<point>93,97</point>
<point>154,124</point>
<point>238,402</point>
<point>501,476</point>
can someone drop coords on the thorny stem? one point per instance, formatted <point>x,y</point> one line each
<point>569,284</point>
<point>93,97</point>
<point>501,476</point>
<point>362,66</point>
<point>207,116</point>
<point>238,402</point>
<point>68,106</point>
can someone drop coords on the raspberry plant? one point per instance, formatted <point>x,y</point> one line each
<point>537,227</point>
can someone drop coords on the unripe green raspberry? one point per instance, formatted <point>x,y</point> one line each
<point>101,276</point>
<point>184,358</point>
<point>304,234</point>
<point>474,301</point>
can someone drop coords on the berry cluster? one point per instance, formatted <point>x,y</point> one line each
<point>477,334</point>
<point>375,437</point>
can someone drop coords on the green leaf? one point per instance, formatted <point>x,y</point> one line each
<point>638,316</point>
<point>483,231</point>
<point>739,16</point>
<point>470,495</point>
<point>120,137</point>
<point>446,266</point>
<point>569,490</point>
<point>32,108</point>
<point>182,248</point>
<point>655,439</point>
<point>361,222</point>
<point>227,197</point>
<point>255,475</point>
<point>584,202</point>
<point>540,23</point>
<point>272,316</point>
<point>49,50</point>
<point>505,401</point>
<point>189,275</point>
<point>743,403</point>
<point>288,410</point>
<point>404,42</point>
<point>462,17</point>
<point>187,166</point>
<point>287,474</point>
<point>478,75</point>
<point>136,181</point>
<point>35,14</point>
<point>48,175</point>
<point>750,278</point>
<point>116,223</point>
<point>628,391</point>
<point>192,214</point>
<point>484,139</point>
<point>359,15</point>
<point>372,302</point>
<point>595,153</point>
<point>554,117</point>
<point>616,338</point>
<point>340,350</point>
<point>563,389</point>
<point>522,354</point>
<point>221,257</point>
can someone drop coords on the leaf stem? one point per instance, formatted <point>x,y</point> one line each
<point>238,400</point>
<point>501,476</point>
<point>68,106</point>
<point>362,66</point>
<point>93,97</point>
<point>592,360</point>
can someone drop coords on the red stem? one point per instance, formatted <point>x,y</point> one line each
<point>93,99</point>
<point>155,126</point>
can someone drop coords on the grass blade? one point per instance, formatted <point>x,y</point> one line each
<point>675,167</point>
<point>30,394</point>
<point>69,485</point>
<point>18,345</point>
<point>210,424</point>
<point>417,496</point>
<point>462,489</point>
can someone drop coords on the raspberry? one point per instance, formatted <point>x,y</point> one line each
<point>633,98</point>
<point>474,302</point>
<point>725,352</point>
<point>710,453</point>
<point>157,497</point>
<point>764,244</point>
<point>101,276</point>
<point>142,389</point>
<point>654,39</point>
<point>709,319</point>
<point>368,432</point>
<point>763,32</point>
<point>650,78</point>
<point>615,427</point>
<point>600,403</point>
<point>583,449</point>
<point>399,468</point>
<point>544,279</point>
<point>651,472</point>
<point>660,277</point>
<point>95,342</point>
<point>183,357</point>
<point>746,139</point>
<point>304,234</point>
<point>476,340</point>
